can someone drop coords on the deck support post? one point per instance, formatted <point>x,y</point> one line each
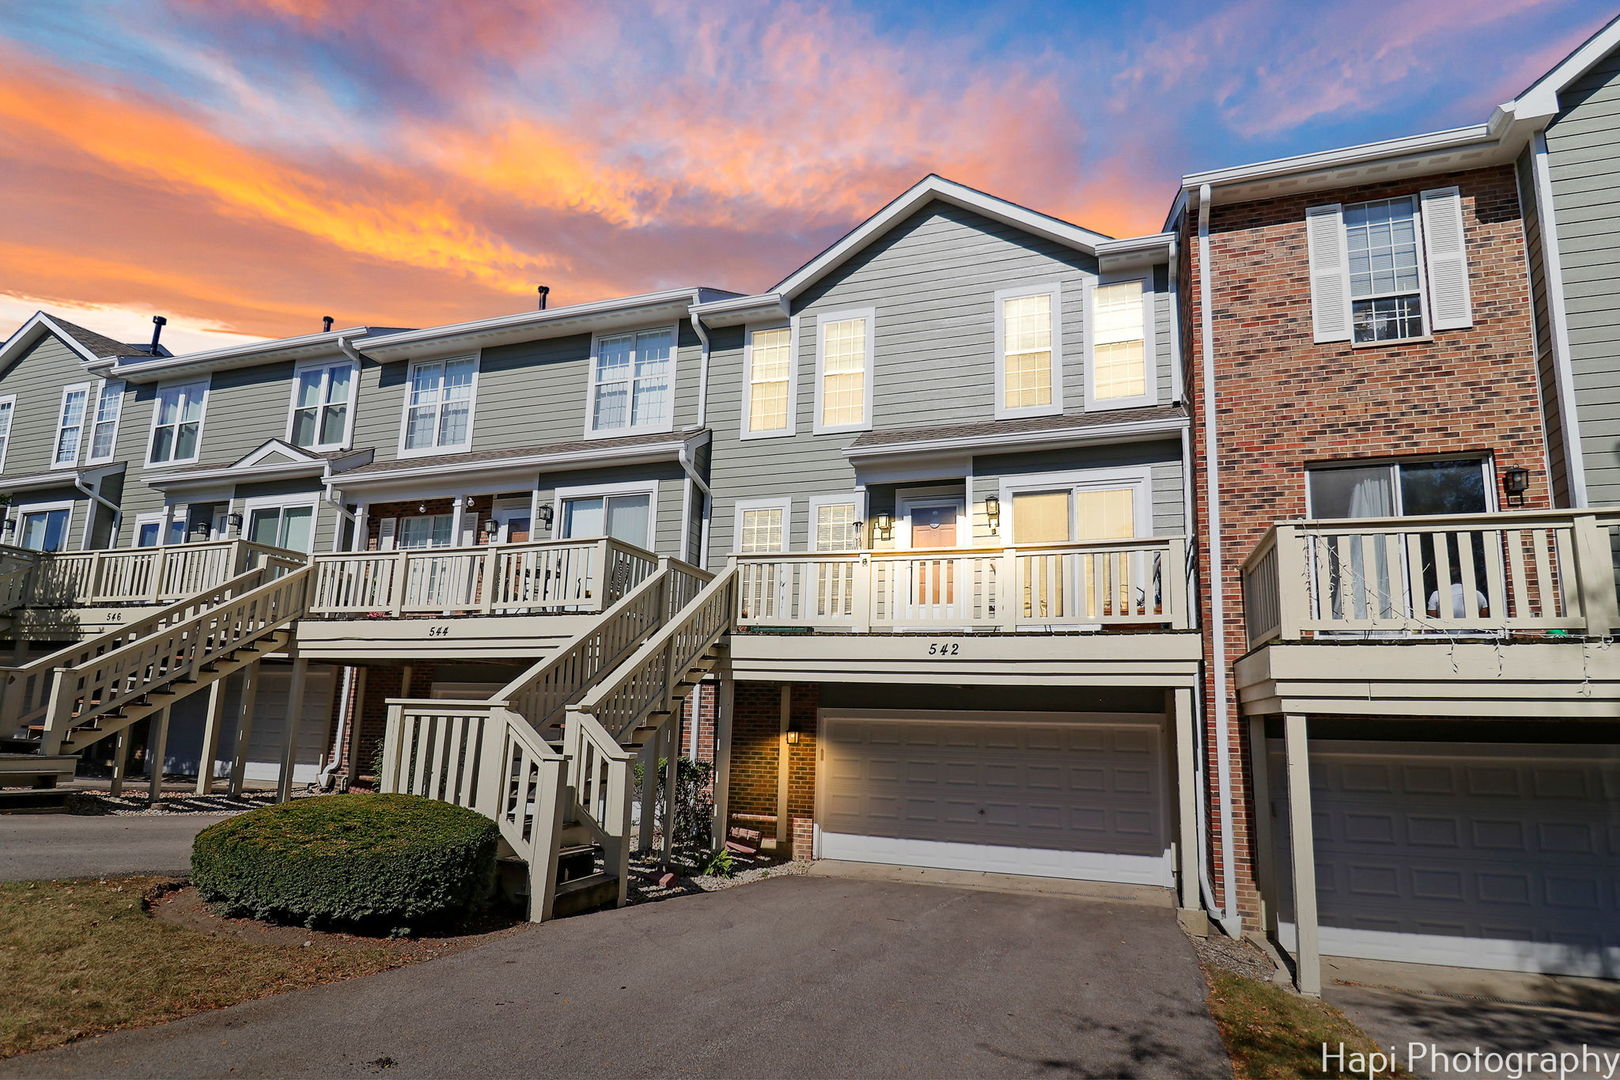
<point>121,743</point>
<point>725,696</point>
<point>295,718</point>
<point>210,739</point>
<point>1183,730</point>
<point>157,752</point>
<point>649,791</point>
<point>1265,856</point>
<point>246,700</point>
<point>784,828</point>
<point>1307,953</point>
<point>672,772</point>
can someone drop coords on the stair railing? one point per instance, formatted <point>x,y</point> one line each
<point>107,683</point>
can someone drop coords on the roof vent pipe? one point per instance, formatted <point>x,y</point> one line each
<point>158,323</point>
<point>326,324</point>
<point>544,291</point>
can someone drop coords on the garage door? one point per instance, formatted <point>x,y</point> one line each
<point>1068,799</point>
<point>269,734</point>
<point>1472,855</point>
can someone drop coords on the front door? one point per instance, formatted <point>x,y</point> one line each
<point>515,524</point>
<point>932,525</point>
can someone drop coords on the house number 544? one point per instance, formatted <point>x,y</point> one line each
<point>944,648</point>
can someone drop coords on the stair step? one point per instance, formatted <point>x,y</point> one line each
<point>574,862</point>
<point>587,893</point>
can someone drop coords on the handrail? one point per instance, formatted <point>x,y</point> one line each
<point>142,574</point>
<point>1142,542</point>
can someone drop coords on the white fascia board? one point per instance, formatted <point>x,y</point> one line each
<point>591,457</point>
<point>1540,100</point>
<point>302,347</point>
<point>225,473</point>
<point>1128,431</point>
<point>741,310</point>
<point>529,325</point>
<point>61,477</point>
<point>927,189</point>
<point>1433,142</point>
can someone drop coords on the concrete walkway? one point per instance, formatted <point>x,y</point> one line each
<point>39,846</point>
<point>791,977</point>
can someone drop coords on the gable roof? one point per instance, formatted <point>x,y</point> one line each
<point>1540,98</point>
<point>95,350</point>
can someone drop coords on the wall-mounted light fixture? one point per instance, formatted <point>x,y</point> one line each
<point>421,508</point>
<point>883,527</point>
<point>234,520</point>
<point>469,502</point>
<point>546,514</point>
<point>792,738</point>
<point>492,528</point>
<point>992,513</point>
<point>200,529</point>
<point>1515,482</point>
<point>858,528</point>
<point>11,525</point>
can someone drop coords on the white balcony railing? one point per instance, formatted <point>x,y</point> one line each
<point>147,575</point>
<point>1513,573</point>
<point>554,575</point>
<point>1032,587</point>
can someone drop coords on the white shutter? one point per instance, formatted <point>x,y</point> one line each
<point>469,529</point>
<point>1330,273</point>
<point>1445,250</point>
<point>386,529</point>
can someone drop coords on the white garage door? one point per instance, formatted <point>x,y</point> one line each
<point>268,738</point>
<point>1061,798</point>
<point>1471,855</point>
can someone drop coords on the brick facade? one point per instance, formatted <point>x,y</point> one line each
<point>756,757</point>
<point>1285,402</point>
<point>383,681</point>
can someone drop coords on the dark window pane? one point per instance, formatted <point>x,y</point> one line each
<point>1442,487</point>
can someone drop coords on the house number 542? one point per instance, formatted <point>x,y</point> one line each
<point>944,648</point>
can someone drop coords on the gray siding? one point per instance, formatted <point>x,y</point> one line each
<point>1584,159</point>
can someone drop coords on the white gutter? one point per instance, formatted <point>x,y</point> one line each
<point>95,493</point>
<point>1217,605</point>
<point>1558,322</point>
<point>345,342</point>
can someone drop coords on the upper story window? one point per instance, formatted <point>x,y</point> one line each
<point>844,371</point>
<point>835,524</point>
<point>769,370</point>
<point>1120,369</point>
<point>438,405</point>
<point>322,405</point>
<point>632,376</point>
<point>1028,365</point>
<point>8,409</point>
<point>762,526</point>
<point>70,425</point>
<point>1390,269</point>
<point>177,421</point>
<point>104,428</point>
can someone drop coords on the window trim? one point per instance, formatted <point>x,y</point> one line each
<point>477,357</point>
<point>1424,307</point>
<point>11,427</point>
<point>117,422</point>
<point>1486,459</point>
<point>207,383</point>
<point>591,491</point>
<point>354,388</point>
<point>1055,291</point>
<point>792,327</point>
<point>668,422</point>
<point>281,502</point>
<point>24,509</point>
<point>1150,358</point>
<point>870,315</point>
<point>855,498</point>
<point>1139,478</point>
<point>741,506</point>
<point>160,518</point>
<point>61,425</point>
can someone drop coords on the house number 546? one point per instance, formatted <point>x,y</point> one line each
<point>944,648</point>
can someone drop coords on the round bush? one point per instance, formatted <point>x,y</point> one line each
<point>386,862</point>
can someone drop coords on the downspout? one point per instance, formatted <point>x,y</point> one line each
<point>94,493</point>
<point>1216,570</point>
<point>694,480</point>
<point>703,367</point>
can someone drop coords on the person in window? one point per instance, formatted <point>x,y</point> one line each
<point>1459,602</point>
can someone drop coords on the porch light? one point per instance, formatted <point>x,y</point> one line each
<point>1515,482</point>
<point>992,513</point>
<point>234,520</point>
<point>421,508</point>
<point>793,738</point>
<point>546,514</point>
<point>883,526</point>
<point>11,525</point>
<point>468,502</point>
<point>491,527</point>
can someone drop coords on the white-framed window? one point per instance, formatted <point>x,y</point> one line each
<point>322,411</point>
<point>1081,505</point>
<point>45,526</point>
<point>1119,361</point>
<point>844,346</point>
<point>177,423</point>
<point>836,522</point>
<point>626,512</point>
<point>104,426</point>
<point>632,382</point>
<point>426,531</point>
<point>8,410</point>
<point>149,529</point>
<point>763,526</point>
<point>439,396</point>
<point>1029,352</point>
<point>1388,270</point>
<point>770,378</point>
<point>70,425</point>
<point>283,525</point>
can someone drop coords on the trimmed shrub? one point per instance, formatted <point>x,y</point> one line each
<point>371,862</point>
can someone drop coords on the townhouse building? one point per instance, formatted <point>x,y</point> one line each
<point>1263,561</point>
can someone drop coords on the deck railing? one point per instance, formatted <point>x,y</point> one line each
<point>1511,573</point>
<point>1025,587</point>
<point>553,575</point>
<point>146,575</point>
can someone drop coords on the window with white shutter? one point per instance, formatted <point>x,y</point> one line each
<point>1330,278</point>
<point>1446,251</point>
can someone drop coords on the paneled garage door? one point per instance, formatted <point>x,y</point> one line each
<point>1472,855</point>
<point>1075,798</point>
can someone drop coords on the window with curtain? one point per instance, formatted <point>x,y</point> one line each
<point>289,527</point>
<point>177,423</point>
<point>1027,369</point>
<point>770,373</point>
<point>1399,489</point>
<point>622,517</point>
<point>104,429</point>
<point>1386,286</point>
<point>438,404</point>
<point>761,529</point>
<point>1119,368</point>
<point>320,408</point>
<point>426,531</point>
<point>835,528</point>
<point>843,373</point>
<point>70,424</point>
<point>630,382</point>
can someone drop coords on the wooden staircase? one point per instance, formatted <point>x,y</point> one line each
<point>550,758</point>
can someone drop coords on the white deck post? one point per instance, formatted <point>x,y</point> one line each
<point>210,740</point>
<point>1265,857</point>
<point>1595,575</point>
<point>295,717</point>
<point>247,701</point>
<point>1307,954</point>
<point>157,752</point>
<point>1182,729</point>
<point>120,763</point>
<point>725,695</point>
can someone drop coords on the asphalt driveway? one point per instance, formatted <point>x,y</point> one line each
<point>795,977</point>
<point>40,846</point>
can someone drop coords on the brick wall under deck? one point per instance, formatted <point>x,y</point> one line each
<point>756,747</point>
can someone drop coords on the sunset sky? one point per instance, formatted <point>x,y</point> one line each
<point>245,168</point>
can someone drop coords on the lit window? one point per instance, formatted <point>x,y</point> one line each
<point>1119,342</point>
<point>1386,287</point>
<point>835,527</point>
<point>630,382</point>
<point>438,405</point>
<point>761,529</point>
<point>844,389</point>
<point>70,424</point>
<point>320,406</point>
<point>770,373</point>
<point>104,431</point>
<point>1026,356</point>
<point>177,423</point>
